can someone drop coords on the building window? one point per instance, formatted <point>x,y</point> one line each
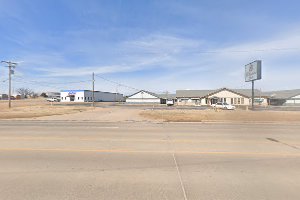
<point>224,100</point>
<point>239,100</point>
<point>235,101</point>
<point>82,98</point>
<point>243,101</point>
<point>78,98</point>
<point>231,100</point>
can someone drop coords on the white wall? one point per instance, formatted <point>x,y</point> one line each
<point>143,97</point>
<point>64,96</point>
<point>189,101</point>
<point>87,96</point>
<point>143,101</point>
<point>294,100</point>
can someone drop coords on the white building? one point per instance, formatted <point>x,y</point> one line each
<point>295,100</point>
<point>87,96</point>
<point>143,97</point>
<point>284,97</point>
<point>146,97</point>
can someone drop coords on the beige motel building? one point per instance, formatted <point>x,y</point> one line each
<point>230,96</point>
<point>238,97</point>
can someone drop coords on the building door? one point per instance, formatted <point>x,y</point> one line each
<point>72,97</point>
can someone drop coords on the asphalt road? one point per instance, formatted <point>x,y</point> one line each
<point>89,160</point>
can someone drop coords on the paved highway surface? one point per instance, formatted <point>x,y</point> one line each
<point>90,160</point>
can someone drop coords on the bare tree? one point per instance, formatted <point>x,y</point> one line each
<point>44,95</point>
<point>34,95</point>
<point>25,92</point>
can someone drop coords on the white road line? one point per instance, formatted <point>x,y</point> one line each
<point>180,178</point>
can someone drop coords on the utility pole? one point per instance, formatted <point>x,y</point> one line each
<point>93,90</point>
<point>117,92</point>
<point>11,66</point>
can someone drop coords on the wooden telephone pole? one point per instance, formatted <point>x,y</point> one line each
<point>11,66</point>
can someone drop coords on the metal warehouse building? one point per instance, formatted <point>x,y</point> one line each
<point>87,96</point>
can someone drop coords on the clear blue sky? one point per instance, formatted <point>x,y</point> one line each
<point>154,45</point>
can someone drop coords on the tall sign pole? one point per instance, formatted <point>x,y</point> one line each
<point>252,95</point>
<point>253,73</point>
<point>11,66</point>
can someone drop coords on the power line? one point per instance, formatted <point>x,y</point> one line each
<point>117,83</point>
<point>54,83</point>
<point>20,79</point>
<point>244,51</point>
<point>4,80</point>
<point>33,83</point>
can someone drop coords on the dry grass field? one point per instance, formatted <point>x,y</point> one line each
<point>222,115</point>
<point>41,109</point>
<point>32,108</point>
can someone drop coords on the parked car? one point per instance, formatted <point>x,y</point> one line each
<point>53,99</point>
<point>224,106</point>
<point>170,102</point>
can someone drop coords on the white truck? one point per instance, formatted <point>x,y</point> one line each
<point>170,102</point>
<point>53,99</point>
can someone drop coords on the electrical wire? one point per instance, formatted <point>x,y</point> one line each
<point>247,51</point>
<point>4,80</point>
<point>53,83</point>
<point>117,83</point>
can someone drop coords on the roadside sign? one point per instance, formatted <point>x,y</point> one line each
<point>253,71</point>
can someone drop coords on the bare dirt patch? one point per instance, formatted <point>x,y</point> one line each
<point>107,114</point>
<point>211,115</point>
<point>32,108</point>
<point>40,109</point>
